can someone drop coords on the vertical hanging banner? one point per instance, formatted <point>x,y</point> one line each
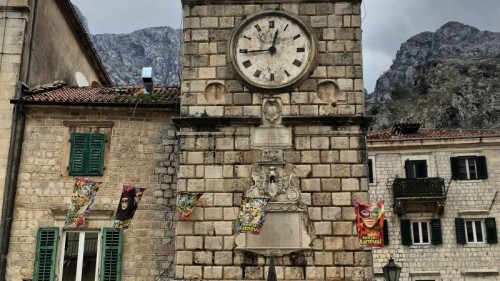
<point>252,215</point>
<point>370,223</point>
<point>185,204</point>
<point>84,192</point>
<point>129,201</point>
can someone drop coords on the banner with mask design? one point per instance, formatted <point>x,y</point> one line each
<point>370,223</point>
<point>252,215</point>
<point>185,204</point>
<point>84,193</point>
<point>129,201</point>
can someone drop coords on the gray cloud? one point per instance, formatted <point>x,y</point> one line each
<point>386,23</point>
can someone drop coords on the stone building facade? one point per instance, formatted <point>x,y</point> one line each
<point>140,150</point>
<point>441,201</point>
<point>30,56</point>
<point>237,141</point>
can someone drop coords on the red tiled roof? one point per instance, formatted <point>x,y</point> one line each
<point>102,96</point>
<point>431,134</point>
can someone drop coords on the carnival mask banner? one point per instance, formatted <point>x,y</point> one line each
<point>252,215</point>
<point>84,193</point>
<point>129,201</point>
<point>185,204</point>
<point>370,223</point>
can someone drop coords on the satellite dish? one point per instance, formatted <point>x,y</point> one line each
<point>81,81</point>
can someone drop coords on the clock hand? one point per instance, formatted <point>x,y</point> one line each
<point>272,49</point>
<point>253,51</point>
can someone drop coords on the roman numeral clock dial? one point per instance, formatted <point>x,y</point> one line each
<point>272,51</point>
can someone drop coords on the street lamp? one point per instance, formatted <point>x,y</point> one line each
<point>391,271</point>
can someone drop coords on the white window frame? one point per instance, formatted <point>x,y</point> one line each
<point>420,223</point>
<point>474,231</point>
<point>81,241</point>
<point>467,170</point>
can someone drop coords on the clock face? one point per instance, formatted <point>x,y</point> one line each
<point>272,51</point>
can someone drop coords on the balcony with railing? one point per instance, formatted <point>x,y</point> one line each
<point>407,191</point>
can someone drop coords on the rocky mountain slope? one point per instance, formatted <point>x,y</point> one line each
<point>124,55</point>
<point>444,79</point>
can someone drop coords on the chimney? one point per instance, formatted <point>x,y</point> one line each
<point>147,79</point>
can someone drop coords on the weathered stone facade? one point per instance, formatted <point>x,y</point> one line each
<point>225,133</point>
<point>141,150</point>
<point>30,56</point>
<point>466,199</point>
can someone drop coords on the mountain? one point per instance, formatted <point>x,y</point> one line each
<point>449,78</point>
<point>124,55</point>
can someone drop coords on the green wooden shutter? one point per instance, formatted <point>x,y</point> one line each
<point>491,230</point>
<point>370,171</point>
<point>482,170</point>
<point>111,255</point>
<point>386,233</point>
<point>46,252</point>
<point>437,236</point>
<point>421,169</point>
<point>77,158</point>
<point>96,157</point>
<point>406,232</point>
<point>460,231</point>
<point>408,169</point>
<point>455,168</point>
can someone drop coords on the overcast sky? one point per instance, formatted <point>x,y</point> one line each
<point>386,23</point>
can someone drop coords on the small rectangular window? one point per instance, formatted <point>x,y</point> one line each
<point>474,231</point>
<point>370,170</point>
<point>416,169</point>
<point>420,232</point>
<point>468,168</point>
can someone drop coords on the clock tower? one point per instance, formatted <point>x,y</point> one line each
<point>272,107</point>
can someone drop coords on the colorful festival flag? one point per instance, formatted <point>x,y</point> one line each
<point>252,215</point>
<point>370,223</point>
<point>185,204</point>
<point>129,201</point>
<point>84,192</point>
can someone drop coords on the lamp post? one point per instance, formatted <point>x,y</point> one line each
<point>391,271</point>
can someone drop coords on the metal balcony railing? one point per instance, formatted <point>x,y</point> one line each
<point>418,187</point>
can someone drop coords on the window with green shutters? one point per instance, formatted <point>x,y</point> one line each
<point>111,255</point>
<point>79,249</point>
<point>46,252</point>
<point>416,169</point>
<point>87,154</point>
<point>476,231</point>
<point>469,168</point>
<point>421,232</point>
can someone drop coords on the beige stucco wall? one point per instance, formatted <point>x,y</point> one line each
<point>57,52</point>
<point>449,261</point>
<point>141,150</point>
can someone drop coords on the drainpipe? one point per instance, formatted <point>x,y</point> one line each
<point>11,177</point>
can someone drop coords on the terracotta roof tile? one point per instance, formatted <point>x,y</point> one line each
<point>431,134</point>
<point>60,94</point>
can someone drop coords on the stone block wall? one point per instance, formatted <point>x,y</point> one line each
<point>216,157</point>
<point>207,28</point>
<point>464,199</point>
<point>141,149</point>
<point>12,25</point>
